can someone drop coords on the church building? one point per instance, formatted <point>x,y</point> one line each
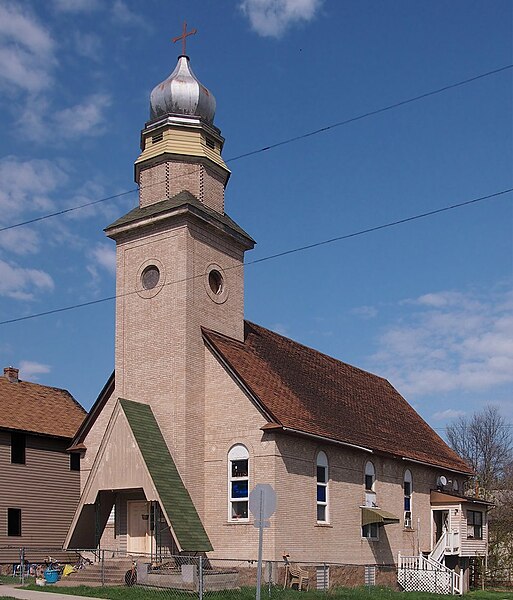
<point>204,405</point>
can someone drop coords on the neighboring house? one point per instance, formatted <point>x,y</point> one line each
<point>39,478</point>
<point>205,405</point>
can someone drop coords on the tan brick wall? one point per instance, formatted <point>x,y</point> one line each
<point>288,463</point>
<point>159,345</point>
<point>166,179</point>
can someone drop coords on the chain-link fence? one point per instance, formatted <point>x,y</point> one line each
<point>184,576</point>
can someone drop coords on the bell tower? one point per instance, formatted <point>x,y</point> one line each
<point>179,267</point>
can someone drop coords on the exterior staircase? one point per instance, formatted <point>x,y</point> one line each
<point>109,572</point>
<point>429,574</point>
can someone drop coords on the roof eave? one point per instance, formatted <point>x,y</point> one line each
<point>438,466</point>
<point>280,428</point>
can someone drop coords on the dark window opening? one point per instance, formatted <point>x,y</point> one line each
<point>18,445</point>
<point>474,524</point>
<point>210,143</point>
<point>74,461</point>
<point>14,522</point>
<point>158,137</point>
<point>369,482</point>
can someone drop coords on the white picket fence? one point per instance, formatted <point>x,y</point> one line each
<point>421,574</point>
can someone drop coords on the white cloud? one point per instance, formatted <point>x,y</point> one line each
<point>76,6</point>
<point>449,342</point>
<point>122,14</point>
<point>42,123</point>
<point>26,50</point>
<point>20,241</point>
<point>88,45</point>
<point>104,254</point>
<point>29,370</point>
<point>85,118</point>
<point>449,413</point>
<point>26,186</point>
<point>21,284</point>
<point>365,312</point>
<point>271,18</point>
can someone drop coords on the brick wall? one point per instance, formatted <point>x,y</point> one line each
<point>166,179</point>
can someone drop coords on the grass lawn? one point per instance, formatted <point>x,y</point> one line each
<point>139,593</point>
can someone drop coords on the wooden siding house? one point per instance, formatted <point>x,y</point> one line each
<point>39,478</point>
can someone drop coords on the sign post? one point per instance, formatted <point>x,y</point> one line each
<point>262,504</point>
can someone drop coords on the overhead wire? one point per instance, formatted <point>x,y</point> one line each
<point>277,144</point>
<point>276,255</point>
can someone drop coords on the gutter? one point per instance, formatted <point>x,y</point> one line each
<point>276,426</point>
<point>427,464</point>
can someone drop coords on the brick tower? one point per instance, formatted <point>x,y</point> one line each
<point>179,267</point>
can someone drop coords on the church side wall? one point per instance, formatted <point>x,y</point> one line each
<point>289,464</point>
<point>340,540</point>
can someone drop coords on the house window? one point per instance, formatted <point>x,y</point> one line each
<point>322,488</point>
<point>370,484</point>
<point>18,445</point>
<point>14,522</point>
<point>370,531</point>
<point>408,489</point>
<point>474,524</point>
<point>238,483</point>
<point>74,461</point>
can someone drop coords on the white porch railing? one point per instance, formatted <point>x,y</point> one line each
<point>449,543</point>
<point>421,574</point>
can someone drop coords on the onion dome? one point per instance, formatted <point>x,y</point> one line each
<point>181,93</point>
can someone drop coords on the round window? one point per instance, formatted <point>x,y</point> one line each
<point>215,281</point>
<point>150,277</point>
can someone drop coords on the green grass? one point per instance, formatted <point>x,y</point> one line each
<point>138,593</point>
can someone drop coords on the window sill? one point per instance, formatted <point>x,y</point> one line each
<point>239,522</point>
<point>328,525</point>
<point>409,529</point>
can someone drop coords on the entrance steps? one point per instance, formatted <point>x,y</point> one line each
<point>111,572</point>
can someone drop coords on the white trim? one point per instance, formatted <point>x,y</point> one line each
<point>427,464</point>
<point>321,460</point>
<point>237,452</point>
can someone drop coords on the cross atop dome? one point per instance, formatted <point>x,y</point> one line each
<point>184,36</point>
<point>181,93</point>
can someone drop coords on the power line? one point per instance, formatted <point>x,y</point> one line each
<point>277,255</point>
<point>373,112</point>
<point>278,144</point>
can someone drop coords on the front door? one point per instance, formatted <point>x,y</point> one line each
<point>138,530</point>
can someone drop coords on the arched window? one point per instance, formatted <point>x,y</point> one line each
<point>322,488</point>
<point>370,531</point>
<point>408,490</point>
<point>370,481</point>
<point>455,485</point>
<point>238,483</point>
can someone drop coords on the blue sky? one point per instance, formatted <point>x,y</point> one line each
<point>428,304</point>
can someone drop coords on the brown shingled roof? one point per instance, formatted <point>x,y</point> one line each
<point>307,391</point>
<point>39,409</point>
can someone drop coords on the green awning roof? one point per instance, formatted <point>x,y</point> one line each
<point>377,515</point>
<point>173,494</point>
